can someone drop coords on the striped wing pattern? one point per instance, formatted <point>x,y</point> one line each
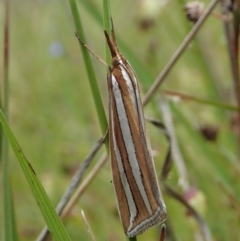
<point>140,202</point>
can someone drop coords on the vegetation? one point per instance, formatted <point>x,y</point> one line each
<point>53,117</point>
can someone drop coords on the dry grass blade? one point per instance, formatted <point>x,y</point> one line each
<point>84,185</point>
<point>183,181</point>
<point>179,52</point>
<point>78,176</point>
<point>168,159</point>
<point>231,27</point>
<point>198,100</point>
<point>176,154</point>
<point>89,230</point>
<point>76,179</point>
<point>169,132</point>
<point>202,224</point>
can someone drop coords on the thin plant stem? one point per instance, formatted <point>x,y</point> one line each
<point>88,227</point>
<point>198,100</point>
<point>84,185</point>
<point>75,181</point>
<point>231,28</point>
<point>9,228</point>
<point>175,150</point>
<point>90,71</point>
<point>107,25</point>
<point>179,52</point>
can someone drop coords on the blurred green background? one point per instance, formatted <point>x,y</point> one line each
<point>54,119</point>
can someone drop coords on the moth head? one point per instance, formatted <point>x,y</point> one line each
<point>115,61</point>
<point>117,58</point>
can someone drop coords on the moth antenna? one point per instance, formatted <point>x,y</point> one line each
<point>113,36</point>
<point>111,45</point>
<point>90,51</point>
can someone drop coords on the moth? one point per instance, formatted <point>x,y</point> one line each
<point>140,202</point>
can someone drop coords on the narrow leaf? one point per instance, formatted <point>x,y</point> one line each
<point>52,220</point>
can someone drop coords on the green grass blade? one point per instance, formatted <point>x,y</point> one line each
<point>90,70</point>
<point>145,76</point>
<point>92,9</point>
<point>52,220</point>
<point>13,221</point>
<point>10,230</point>
<point>106,25</point>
